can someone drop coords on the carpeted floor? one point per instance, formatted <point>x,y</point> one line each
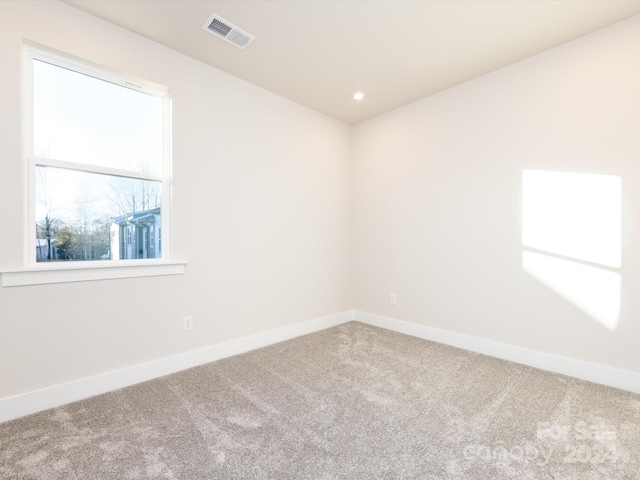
<point>351,402</point>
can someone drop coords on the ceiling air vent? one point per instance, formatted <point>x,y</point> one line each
<point>227,31</point>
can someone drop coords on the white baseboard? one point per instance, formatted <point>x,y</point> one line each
<point>612,377</point>
<point>55,396</point>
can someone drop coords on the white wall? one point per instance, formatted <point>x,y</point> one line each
<point>261,199</point>
<point>437,196</point>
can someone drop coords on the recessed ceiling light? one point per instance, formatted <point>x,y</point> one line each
<point>358,96</point>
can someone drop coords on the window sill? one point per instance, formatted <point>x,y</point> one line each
<point>64,273</point>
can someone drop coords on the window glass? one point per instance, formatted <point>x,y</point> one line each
<point>79,118</point>
<point>96,164</point>
<point>83,216</point>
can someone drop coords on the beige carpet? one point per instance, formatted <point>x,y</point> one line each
<point>351,402</point>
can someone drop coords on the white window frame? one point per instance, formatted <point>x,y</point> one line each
<point>93,269</point>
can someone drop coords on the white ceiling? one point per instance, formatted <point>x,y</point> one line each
<point>317,52</point>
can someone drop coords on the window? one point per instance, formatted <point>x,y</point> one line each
<point>98,148</point>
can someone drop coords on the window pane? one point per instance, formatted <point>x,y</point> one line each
<point>82,119</point>
<point>87,216</point>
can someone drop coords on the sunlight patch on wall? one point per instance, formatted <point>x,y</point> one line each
<point>577,215</point>
<point>593,290</point>
<point>575,218</point>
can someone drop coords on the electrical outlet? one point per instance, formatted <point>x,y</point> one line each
<point>393,298</point>
<point>187,324</point>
